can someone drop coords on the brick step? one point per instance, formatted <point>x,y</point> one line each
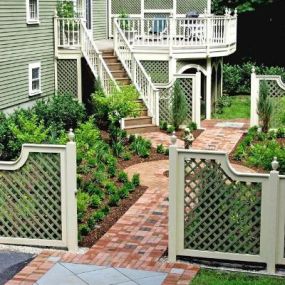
<point>139,121</point>
<point>142,129</point>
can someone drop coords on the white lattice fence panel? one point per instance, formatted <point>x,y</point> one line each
<point>166,99</point>
<point>67,76</point>
<point>277,95</point>
<point>30,199</point>
<point>220,214</point>
<point>157,70</point>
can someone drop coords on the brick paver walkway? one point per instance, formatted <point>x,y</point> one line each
<point>138,240</point>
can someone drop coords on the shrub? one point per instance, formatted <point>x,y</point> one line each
<point>123,192</point>
<point>141,147</point>
<point>114,200</point>
<point>160,149</point>
<point>280,133</point>
<point>83,202</point>
<point>126,155</point>
<point>99,216</point>
<point>132,138</point>
<point>26,129</point>
<point>166,151</point>
<point>179,105</point>
<point>118,149</point>
<point>96,201</point>
<point>123,177</point>
<point>91,222</point>
<point>163,126</point>
<point>192,126</point>
<point>129,186</point>
<point>223,102</point>
<point>120,104</point>
<point>60,111</point>
<point>264,107</point>
<point>111,187</point>
<point>84,230</point>
<point>136,180</point>
<point>170,129</point>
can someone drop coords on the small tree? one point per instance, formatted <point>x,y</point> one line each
<point>179,106</point>
<point>264,107</point>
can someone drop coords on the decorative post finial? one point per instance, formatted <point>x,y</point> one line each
<point>71,135</point>
<point>236,12</point>
<point>275,164</point>
<point>253,69</point>
<point>173,139</point>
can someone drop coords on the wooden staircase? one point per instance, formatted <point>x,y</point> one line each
<point>142,123</point>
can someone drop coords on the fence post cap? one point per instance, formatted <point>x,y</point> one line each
<point>275,164</point>
<point>173,139</point>
<point>253,69</point>
<point>71,135</point>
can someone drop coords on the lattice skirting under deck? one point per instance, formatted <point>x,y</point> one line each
<point>67,77</point>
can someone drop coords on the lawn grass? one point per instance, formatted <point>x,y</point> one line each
<point>239,109</point>
<point>212,277</point>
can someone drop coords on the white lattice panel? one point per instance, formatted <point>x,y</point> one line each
<point>157,70</point>
<point>67,76</point>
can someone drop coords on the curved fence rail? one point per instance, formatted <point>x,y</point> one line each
<point>37,197</point>
<point>217,213</point>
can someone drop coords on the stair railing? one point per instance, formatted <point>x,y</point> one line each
<point>96,61</point>
<point>140,79</point>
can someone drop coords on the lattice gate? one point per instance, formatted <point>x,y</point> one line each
<point>37,197</point>
<point>216,213</point>
<point>276,89</point>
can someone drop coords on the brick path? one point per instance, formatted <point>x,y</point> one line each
<point>138,240</point>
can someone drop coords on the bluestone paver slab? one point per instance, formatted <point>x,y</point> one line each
<point>106,276</point>
<point>154,280</point>
<point>138,274</point>
<point>81,268</point>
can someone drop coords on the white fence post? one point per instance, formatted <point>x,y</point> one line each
<point>71,187</point>
<point>269,219</point>
<point>197,100</point>
<point>254,99</point>
<point>172,216</point>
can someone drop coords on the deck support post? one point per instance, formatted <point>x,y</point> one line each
<point>208,88</point>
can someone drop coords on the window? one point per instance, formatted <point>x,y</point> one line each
<point>32,11</point>
<point>34,79</point>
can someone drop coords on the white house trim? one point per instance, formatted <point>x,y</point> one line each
<point>35,20</point>
<point>39,90</point>
<point>189,66</point>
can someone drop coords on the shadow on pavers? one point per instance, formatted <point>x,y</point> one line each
<point>11,263</point>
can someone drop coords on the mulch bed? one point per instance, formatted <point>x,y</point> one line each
<point>112,218</point>
<point>117,212</point>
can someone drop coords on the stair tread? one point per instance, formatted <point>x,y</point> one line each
<point>137,118</point>
<point>139,126</point>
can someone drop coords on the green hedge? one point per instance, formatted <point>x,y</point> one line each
<point>237,77</point>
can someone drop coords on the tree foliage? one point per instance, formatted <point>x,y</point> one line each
<point>241,5</point>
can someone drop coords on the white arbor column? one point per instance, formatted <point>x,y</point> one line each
<point>208,89</point>
<point>172,68</point>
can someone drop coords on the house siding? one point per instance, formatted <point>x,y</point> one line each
<point>99,19</point>
<point>22,44</point>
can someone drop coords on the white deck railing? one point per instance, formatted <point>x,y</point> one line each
<point>180,32</point>
<point>137,73</point>
<point>73,34</point>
